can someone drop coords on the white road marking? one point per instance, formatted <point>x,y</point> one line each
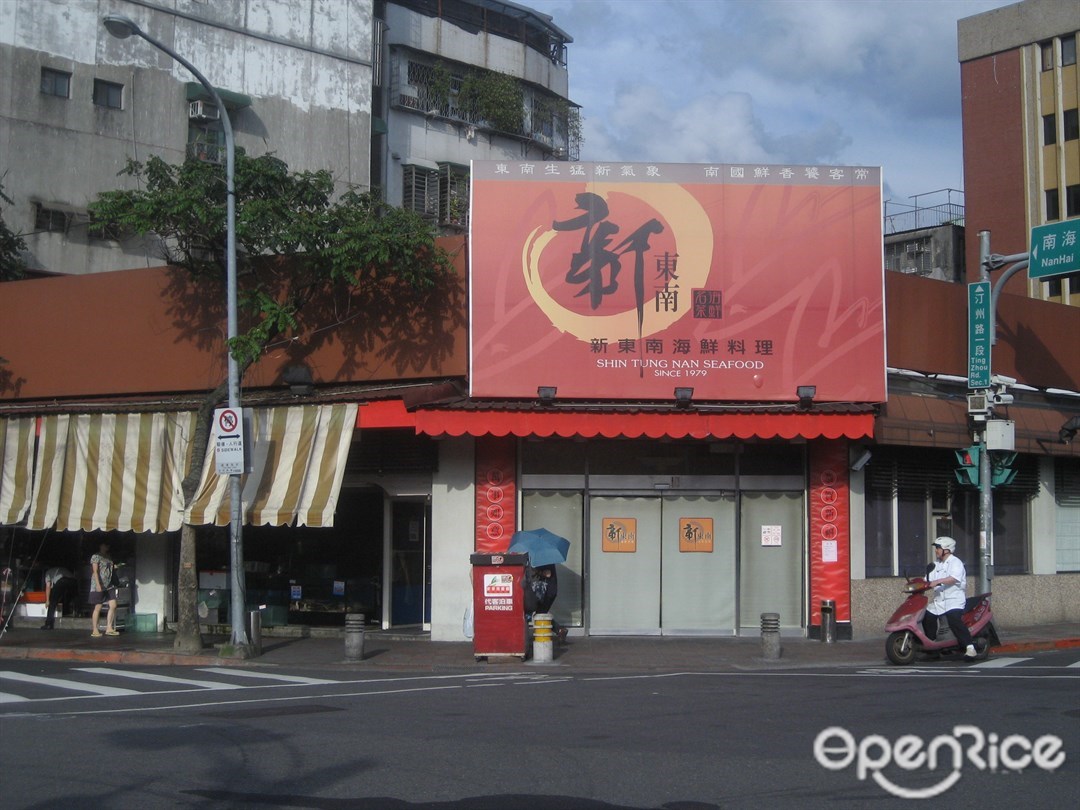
<point>6,697</point>
<point>1074,665</point>
<point>998,663</point>
<point>154,677</point>
<point>242,673</point>
<point>61,683</point>
<point>242,702</point>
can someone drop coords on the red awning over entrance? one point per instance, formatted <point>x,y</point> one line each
<point>609,424</point>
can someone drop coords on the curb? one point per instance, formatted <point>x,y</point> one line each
<point>1036,646</point>
<point>138,657</point>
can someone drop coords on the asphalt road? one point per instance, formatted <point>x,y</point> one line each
<point>213,738</point>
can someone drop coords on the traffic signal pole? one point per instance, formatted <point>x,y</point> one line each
<point>987,262</point>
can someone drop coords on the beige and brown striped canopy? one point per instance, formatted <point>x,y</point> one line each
<point>122,472</point>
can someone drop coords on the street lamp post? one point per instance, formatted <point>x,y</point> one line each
<point>122,28</point>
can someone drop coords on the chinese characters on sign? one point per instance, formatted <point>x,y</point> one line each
<point>737,279</point>
<point>498,592</point>
<point>619,535</point>
<point>696,535</point>
<point>979,334</point>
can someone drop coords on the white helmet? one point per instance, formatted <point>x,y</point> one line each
<point>946,544</point>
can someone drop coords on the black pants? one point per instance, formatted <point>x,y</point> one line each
<point>64,590</point>
<point>955,617</point>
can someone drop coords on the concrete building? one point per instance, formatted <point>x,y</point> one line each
<point>1021,96</point>
<point>392,95</point>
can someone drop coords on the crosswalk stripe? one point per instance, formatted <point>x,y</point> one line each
<point>60,683</point>
<point>155,678</point>
<point>998,663</point>
<point>265,675</point>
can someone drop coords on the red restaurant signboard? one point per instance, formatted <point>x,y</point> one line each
<point>626,281</point>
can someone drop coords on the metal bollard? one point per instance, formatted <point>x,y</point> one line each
<point>828,620</point>
<point>354,636</point>
<point>255,631</point>
<point>543,638</point>
<point>770,636</point>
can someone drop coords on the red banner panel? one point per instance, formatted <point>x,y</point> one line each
<point>496,493</point>
<point>626,281</point>
<point>830,529</point>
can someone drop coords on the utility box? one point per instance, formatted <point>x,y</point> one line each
<point>499,605</point>
<point>1000,434</point>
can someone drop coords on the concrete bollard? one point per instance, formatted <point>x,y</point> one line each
<point>354,636</point>
<point>770,636</point>
<point>828,621</point>
<point>255,631</point>
<point>543,638</point>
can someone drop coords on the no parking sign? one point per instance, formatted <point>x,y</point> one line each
<point>229,441</point>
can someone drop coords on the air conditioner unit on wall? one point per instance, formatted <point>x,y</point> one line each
<point>203,111</point>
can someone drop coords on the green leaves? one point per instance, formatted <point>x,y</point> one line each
<point>12,245</point>
<point>293,237</point>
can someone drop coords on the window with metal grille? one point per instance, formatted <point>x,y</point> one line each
<point>420,191</point>
<point>453,195</point>
<point>915,256</point>
<point>51,220</point>
<point>1067,501</point>
<point>912,484</point>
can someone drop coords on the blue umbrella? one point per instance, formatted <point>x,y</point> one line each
<point>542,546</point>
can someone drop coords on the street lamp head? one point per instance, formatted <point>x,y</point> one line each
<point>120,26</point>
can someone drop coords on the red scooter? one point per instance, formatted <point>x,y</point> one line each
<point>907,639</point>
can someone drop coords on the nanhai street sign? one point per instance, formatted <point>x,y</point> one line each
<point>1054,249</point>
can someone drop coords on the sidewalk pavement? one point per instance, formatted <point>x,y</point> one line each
<point>298,647</point>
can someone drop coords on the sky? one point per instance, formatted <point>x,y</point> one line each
<point>814,82</point>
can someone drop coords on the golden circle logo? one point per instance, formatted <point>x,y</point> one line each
<point>691,233</point>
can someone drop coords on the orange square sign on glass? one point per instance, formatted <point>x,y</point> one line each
<point>625,281</point>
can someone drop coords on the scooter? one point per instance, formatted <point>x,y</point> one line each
<point>907,639</point>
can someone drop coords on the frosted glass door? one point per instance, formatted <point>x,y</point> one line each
<point>698,571</point>
<point>770,562</point>
<point>624,575</point>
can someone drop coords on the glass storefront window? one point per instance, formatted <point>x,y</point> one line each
<point>564,514</point>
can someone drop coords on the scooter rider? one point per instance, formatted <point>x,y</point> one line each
<point>947,596</point>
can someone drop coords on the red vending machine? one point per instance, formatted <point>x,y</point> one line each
<point>498,605</point>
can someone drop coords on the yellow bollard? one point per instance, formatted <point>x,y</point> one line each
<point>543,638</point>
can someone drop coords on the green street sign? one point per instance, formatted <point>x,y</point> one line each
<point>1055,249</point>
<point>979,334</point>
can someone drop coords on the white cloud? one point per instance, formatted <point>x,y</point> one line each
<point>803,81</point>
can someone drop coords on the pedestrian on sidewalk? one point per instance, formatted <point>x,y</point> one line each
<point>102,591</point>
<point>60,588</point>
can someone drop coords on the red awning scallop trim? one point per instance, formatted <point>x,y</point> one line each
<point>651,425</point>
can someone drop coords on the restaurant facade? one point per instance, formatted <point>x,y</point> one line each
<point>683,369</point>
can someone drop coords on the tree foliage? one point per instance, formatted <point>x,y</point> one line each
<point>293,238</point>
<point>12,246</point>
<point>297,246</point>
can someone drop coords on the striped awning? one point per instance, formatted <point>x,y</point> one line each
<point>298,462</point>
<point>123,472</point>
<point>16,468</point>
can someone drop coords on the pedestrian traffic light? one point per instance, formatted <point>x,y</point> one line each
<point>968,471</point>
<point>1002,472</point>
